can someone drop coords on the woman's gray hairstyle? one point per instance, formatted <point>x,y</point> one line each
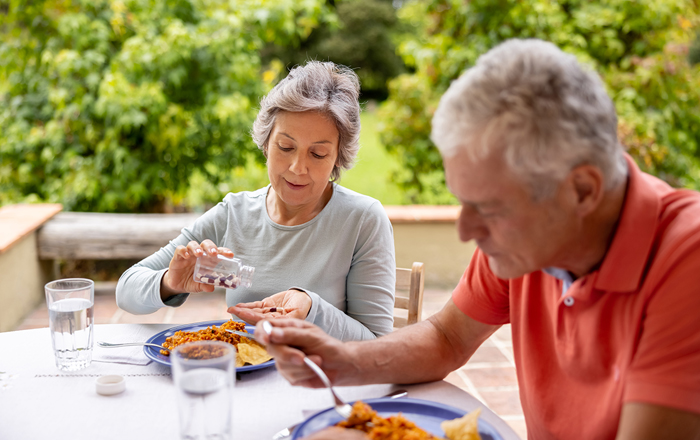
<point>539,107</point>
<point>325,87</point>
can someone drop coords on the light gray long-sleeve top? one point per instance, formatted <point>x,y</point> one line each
<point>343,258</point>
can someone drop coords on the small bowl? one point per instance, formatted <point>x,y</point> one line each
<point>110,384</point>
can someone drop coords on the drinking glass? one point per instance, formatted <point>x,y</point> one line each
<point>204,374</point>
<point>70,303</point>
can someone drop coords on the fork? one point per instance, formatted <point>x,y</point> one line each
<point>287,432</point>
<point>341,407</point>
<point>129,344</point>
<point>244,334</point>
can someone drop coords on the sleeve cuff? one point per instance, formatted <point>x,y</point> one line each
<point>174,301</point>
<point>315,299</point>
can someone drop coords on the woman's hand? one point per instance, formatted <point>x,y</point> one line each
<point>336,433</point>
<point>292,303</point>
<point>178,278</point>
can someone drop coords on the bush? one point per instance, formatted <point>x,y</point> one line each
<point>113,105</point>
<point>639,49</point>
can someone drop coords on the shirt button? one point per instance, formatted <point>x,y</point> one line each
<point>569,301</point>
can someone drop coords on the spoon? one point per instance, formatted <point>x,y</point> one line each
<point>128,344</point>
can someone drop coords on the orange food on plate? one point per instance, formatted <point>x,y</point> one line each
<point>248,350</point>
<point>211,333</point>
<point>365,419</point>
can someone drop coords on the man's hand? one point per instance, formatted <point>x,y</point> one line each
<point>336,433</point>
<point>423,352</point>
<point>291,339</point>
<point>290,303</point>
<point>178,278</point>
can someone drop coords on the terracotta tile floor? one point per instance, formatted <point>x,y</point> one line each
<point>489,375</point>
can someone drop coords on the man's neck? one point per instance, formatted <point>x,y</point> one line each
<point>588,250</point>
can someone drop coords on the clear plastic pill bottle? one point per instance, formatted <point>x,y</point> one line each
<point>223,272</point>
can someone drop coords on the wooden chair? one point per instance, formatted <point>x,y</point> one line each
<point>409,293</point>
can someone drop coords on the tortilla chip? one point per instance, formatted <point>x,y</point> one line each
<point>464,428</point>
<point>239,362</point>
<point>251,353</point>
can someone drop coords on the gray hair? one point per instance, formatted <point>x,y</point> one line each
<point>540,107</point>
<point>325,87</point>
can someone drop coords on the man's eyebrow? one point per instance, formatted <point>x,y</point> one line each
<point>314,143</point>
<point>484,204</point>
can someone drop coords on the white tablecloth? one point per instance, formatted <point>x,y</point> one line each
<point>37,401</point>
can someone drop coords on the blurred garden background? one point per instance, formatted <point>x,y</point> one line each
<point>147,105</point>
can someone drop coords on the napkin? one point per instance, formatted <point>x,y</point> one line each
<point>123,355</point>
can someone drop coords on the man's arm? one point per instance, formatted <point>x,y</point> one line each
<point>421,352</point>
<point>643,421</point>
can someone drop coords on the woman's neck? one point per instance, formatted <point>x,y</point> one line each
<point>288,215</point>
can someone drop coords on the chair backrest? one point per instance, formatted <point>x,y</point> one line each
<point>409,293</point>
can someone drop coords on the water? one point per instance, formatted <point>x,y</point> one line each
<point>71,332</point>
<point>205,404</point>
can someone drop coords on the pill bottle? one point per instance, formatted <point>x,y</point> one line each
<point>222,271</point>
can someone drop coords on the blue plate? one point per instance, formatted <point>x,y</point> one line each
<point>159,338</point>
<point>424,413</point>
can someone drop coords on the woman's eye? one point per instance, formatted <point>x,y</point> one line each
<point>318,156</point>
<point>284,148</point>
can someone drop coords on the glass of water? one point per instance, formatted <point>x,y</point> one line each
<point>204,374</point>
<point>70,302</point>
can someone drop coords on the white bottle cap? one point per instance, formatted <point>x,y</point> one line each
<point>110,384</point>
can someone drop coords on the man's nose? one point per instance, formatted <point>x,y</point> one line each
<point>470,225</point>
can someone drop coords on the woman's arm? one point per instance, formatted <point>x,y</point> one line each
<point>370,284</point>
<point>139,290</point>
<point>139,287</point>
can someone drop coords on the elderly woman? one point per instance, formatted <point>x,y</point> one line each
<point>321,252</point>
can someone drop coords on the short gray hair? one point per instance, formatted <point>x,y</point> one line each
<point>325,87</point>
<point>540,107</point>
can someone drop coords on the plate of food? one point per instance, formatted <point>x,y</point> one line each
<point>404,418</point>
<point>250,355</point>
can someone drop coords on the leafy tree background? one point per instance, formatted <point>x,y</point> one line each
<point>640,49</point>
<point>145,105</point>
<point>116,105</point>
<point>362,37</point>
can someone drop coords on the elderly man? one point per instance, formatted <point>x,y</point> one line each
<point>595,264</point>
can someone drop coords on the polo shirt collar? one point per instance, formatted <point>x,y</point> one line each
<point>624,263</point>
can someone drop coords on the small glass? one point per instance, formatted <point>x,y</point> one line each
<point>204,373</point>
<point>71,303</point>
<point>222,271</point>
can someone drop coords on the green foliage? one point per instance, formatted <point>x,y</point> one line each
<point>361,38</point>
<point>371,174</point>
<point>638,48</point>
<point>114,105</point>
<point>694,51</point>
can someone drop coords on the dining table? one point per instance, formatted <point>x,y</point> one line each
<point>38,401</point>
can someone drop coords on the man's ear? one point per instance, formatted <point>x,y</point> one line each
<point>588,185</point>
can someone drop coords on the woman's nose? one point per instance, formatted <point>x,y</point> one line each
<point>298,165</point>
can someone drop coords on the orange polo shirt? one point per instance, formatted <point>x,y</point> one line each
<point>628,332</point>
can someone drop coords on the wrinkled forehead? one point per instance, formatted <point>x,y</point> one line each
<point>476,178</point>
